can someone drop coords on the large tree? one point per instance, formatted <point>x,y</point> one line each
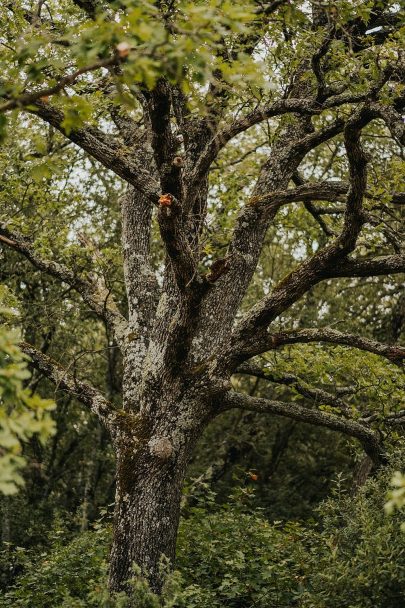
<point>173,97</point>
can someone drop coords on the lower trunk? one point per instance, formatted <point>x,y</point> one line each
<point>147,514</point>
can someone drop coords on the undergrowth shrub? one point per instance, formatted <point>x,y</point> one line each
<point>229,557</point>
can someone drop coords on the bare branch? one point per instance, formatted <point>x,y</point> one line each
<point>140,280</point>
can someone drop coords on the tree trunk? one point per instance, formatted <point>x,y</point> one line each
<point>150,475</point>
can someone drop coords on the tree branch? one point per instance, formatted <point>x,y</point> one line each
<point>392,118</point>
<point>85,393</point>
<point>317,395</point>
<point>366,436</point>
<point>92,291</point>
<point>293,287</point>
<point>31,97</point>
<point>363,267</point>
<point>303,107</point>
<point>158,104</point>
<point>332,191</point>
<point>395,354</point>
<point>106,150</point>
<point>173,231</point>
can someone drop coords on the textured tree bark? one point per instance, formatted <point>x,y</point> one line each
<point>146,518</point>
<point>149,477</point>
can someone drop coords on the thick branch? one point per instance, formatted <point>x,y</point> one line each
<point>325,191</point>
<point>367,437</point>
<point>326,334</point>
<point>293,287</point>
<point>332,191</point>
<point>140,280</point>
<point>173,231</point>
<point>158,104</point>
<point>363,267</point>
<point>394,353</point>
<point>251,226</point>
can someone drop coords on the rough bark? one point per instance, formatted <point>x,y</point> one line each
<point>153,450</point>
<point>147,510</point>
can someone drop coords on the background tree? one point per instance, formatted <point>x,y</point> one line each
<point>252,206</point>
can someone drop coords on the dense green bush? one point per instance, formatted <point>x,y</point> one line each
<point>359,557</point>
<point>229,557</point>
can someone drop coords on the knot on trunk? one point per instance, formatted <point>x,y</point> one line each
<point>161,448</point>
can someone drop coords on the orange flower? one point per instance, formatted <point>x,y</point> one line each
<point>253,476</point>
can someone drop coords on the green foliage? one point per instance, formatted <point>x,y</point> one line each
<point>66,576</point>
<point>22,415</point>
<point>396,496</point>
<point>230,558</point>
<point>187,53</point>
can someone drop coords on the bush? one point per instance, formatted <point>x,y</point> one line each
<point>359,557</point>
<point>230,558</point>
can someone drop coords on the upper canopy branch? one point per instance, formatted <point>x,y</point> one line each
<point>310,272</point>
<point>222,137</point>
<point>31,97</point>
<point>308,106</point>
<point>351,428</point>
<point>94,293</point>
